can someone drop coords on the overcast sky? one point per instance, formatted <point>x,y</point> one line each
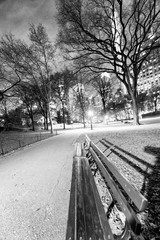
<point>16,15</point>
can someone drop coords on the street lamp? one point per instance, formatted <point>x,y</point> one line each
<point>90,114</point>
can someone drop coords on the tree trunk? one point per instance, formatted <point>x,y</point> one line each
<point>32,121</point>
<point>104,105</point>
<point>50,119</point>
<point>84,125</point>
<point>31,117</point>
<point>44,123</point>
<point>115,114</point>
<point>155,105</point>
<point>46,119</point>
<point>135,110</point>
<point>63,112</point>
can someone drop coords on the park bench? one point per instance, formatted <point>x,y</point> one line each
<point>87,219</point>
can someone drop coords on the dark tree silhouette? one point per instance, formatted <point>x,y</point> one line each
<point>104,88</point>
<point>110,36</point>
<point>60,85</point>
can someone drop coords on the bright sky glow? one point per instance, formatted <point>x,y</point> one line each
<point>16,15</point>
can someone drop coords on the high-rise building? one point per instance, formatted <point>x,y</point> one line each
<point>150,74</point>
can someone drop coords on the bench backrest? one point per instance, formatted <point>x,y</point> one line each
<point>135,196</point>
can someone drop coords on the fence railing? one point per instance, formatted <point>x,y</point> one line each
<point>10,141</point>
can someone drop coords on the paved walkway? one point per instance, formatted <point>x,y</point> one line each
<point>34,189</point>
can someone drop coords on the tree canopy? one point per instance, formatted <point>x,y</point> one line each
<point>115,36</point>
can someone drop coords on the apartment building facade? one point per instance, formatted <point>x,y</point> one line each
<point>149,76</point>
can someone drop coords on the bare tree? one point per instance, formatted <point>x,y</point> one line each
<point>10,71</point>
<point>104,89</point>
<point>26,93</point>
<point>81,101</point>
<point>60,85</point>
<point>32,64</point>
<point>41,55</point>
<point>115,36</point>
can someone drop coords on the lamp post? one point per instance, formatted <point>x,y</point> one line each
<point>90,114</point>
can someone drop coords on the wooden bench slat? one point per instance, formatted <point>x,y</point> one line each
<point>71,223</point>
<point>89,206</point>
<point>100,223</point>
<point>78,149</point>
<point>126,208</point>
<point>86,217</point>
<point>139,200</point>
<point>80,211</point>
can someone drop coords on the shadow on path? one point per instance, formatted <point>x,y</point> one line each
<point>153,195</point>
<point>150,187</point>
<point>121,155</point>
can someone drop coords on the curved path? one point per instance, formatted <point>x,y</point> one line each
<point>34,189</point>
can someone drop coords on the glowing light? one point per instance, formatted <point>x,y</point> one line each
<point>90,113</point>
<point>105,74</point>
